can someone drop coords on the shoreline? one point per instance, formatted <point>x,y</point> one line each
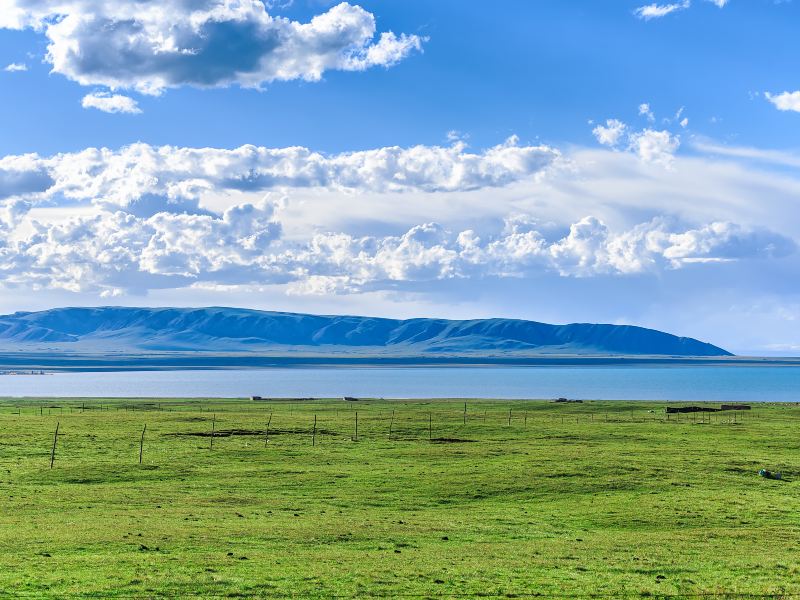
<point>76,363</point>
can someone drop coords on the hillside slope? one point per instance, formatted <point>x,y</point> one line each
<point>241,330</point>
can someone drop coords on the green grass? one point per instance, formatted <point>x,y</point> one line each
<point>593,499</point>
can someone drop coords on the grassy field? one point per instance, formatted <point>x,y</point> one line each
<point>512,499</point>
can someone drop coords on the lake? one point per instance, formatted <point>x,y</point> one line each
<point>713,383</point>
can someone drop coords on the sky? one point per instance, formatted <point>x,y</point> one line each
<point>560,161</point>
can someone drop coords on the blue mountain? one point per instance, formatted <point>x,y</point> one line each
<point>138,330</point>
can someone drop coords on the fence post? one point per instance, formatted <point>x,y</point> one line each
<point>213,428</point>
<point>141,444</point>
<point>266,433</point>
<point>314,435</point>
<point>53,451</point>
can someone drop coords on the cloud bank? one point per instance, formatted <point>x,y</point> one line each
<point>144,177</point>
<point>119,251</point>
<point>145,228</point>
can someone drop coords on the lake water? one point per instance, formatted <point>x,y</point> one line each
<point>724,383</point>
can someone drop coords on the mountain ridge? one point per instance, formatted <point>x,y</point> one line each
<point>223,329</point>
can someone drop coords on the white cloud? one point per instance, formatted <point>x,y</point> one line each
<point>118,250</point>
<point>23,175</point>
<point>787,101</point>
<point>16,68</point>
<point>153,45</point>
<point>656,11</point>
<point>611,133</point>
<point>651,146</point>
<point>657,147</point>
<point>113,251</point>
<point>111,103</point>
<point>147,179</point>
<point>774,157</point>
<point>645,111</point>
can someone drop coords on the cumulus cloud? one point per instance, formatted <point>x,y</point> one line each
<point>23,175</point>
<point>150,179</point>
<point>116,250</point>
<point>786,101</point>
<point>657,147</point>
<point>650,145</point>
<point>153,45</point>
<point>111,103</point>
<point>16,68</point>
<point>611,133</point>
<point>656,11</point>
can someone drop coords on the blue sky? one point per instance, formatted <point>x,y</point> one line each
<point>513,159</point>
<point>536,69</point>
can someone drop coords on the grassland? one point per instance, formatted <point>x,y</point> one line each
<point>559,500</point>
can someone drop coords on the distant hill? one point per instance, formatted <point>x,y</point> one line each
<point>139,330</point>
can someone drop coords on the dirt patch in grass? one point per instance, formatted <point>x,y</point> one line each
<point>442,440</point>
<point>251,432</point>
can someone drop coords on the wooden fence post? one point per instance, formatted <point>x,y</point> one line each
<point>53,451</point>
<point>314,435</point>
<point>213,429</point>
<point>141,444</point>
<point>266,433</point>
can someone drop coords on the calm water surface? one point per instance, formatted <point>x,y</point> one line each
<point>752,384</point>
